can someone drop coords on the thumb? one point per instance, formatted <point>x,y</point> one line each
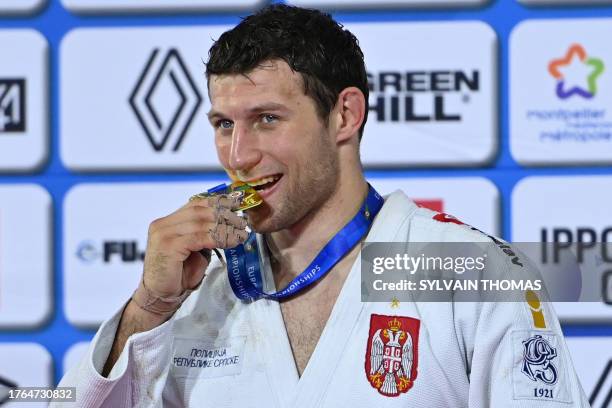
<point>194,268</point>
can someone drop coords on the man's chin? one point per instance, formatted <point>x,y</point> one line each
<point>261,220</point>
<point>264,227</point>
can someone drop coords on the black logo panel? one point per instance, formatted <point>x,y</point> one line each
<point>165,100</point>
<point>12,105</point>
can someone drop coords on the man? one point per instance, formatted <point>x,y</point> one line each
<point>288,89</point>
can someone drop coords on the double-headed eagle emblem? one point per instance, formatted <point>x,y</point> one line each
<point>391,357</point>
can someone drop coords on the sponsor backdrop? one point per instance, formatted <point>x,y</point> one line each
<point>495,111</point>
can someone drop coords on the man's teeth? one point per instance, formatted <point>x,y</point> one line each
<point>263,181</point>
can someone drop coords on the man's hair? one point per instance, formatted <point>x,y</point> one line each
<point>326,55</point>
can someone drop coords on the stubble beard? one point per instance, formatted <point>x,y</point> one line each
<point>306,193</point>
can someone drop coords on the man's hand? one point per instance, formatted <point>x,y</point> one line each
<point>174,261</point>
<point>177,255</point>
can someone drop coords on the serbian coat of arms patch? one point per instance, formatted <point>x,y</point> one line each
<point>392,356</point>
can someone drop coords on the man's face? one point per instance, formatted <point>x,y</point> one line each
<point>268,133</point>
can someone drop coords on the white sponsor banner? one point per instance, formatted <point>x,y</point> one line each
<point>383,3</point>
<point>74,355</point>
<point>92,6</point>
<point>473,200</point>
<point>20,6</point>
<point>592,358</point>
<point>136,99</point>
<point>105,240</point>
<point>568,209</point>
<point>432,95</point>
<point>25,255</point>
<point>24,365</point>
<point>560,76</point>
<point>24,117</point>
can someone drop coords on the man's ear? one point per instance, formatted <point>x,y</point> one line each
<point>349,113</point>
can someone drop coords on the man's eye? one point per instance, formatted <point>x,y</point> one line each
<point>225,124</point>
<point>269,118</point>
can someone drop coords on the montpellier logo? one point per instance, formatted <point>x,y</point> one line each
<point>12,105</point>
<point>392,356</point>
<point>576,60</point>
<point>165,99</point>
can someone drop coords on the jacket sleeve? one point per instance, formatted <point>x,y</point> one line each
<point>519,357</point>
<point>138,377</point>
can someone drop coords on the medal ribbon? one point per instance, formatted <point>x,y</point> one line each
<point>243,261</point>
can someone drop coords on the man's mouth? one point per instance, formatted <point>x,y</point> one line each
<point>265,182</point>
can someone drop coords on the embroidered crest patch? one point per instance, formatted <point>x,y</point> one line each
<point>392,356</point>
<point>539,367</point>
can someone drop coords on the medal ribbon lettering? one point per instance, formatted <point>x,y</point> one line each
<point>244,267</point>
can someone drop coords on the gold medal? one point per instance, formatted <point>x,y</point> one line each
<point>251,199</point>
<point>248,196</point>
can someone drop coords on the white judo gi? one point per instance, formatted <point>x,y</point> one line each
<point>219,352</point>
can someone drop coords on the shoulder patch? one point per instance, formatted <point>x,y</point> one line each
<point>538,371</point>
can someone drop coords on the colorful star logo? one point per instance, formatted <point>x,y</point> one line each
<point>576,51</point>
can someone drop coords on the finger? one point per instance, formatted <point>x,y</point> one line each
<point>200,223</point>
<point>207,254</point>
<point>178,241</point>
<point>194,242</point>
<point>194,269</point>
<point>236,199</point>
<point>188,213</point>
<point>227,236</point>
<point>186,227</point>
<point>231,201</point>
<point>218,202</point>
<point>226,216</point>
<point>242,236</point>
<point>220,214</point>
<point>218,235</point>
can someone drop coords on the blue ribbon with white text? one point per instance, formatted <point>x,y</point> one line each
<point>243,264</point>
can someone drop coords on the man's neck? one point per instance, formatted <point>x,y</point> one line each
<point>294,248</point>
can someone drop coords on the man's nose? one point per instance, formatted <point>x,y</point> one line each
<point>244,152</point>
